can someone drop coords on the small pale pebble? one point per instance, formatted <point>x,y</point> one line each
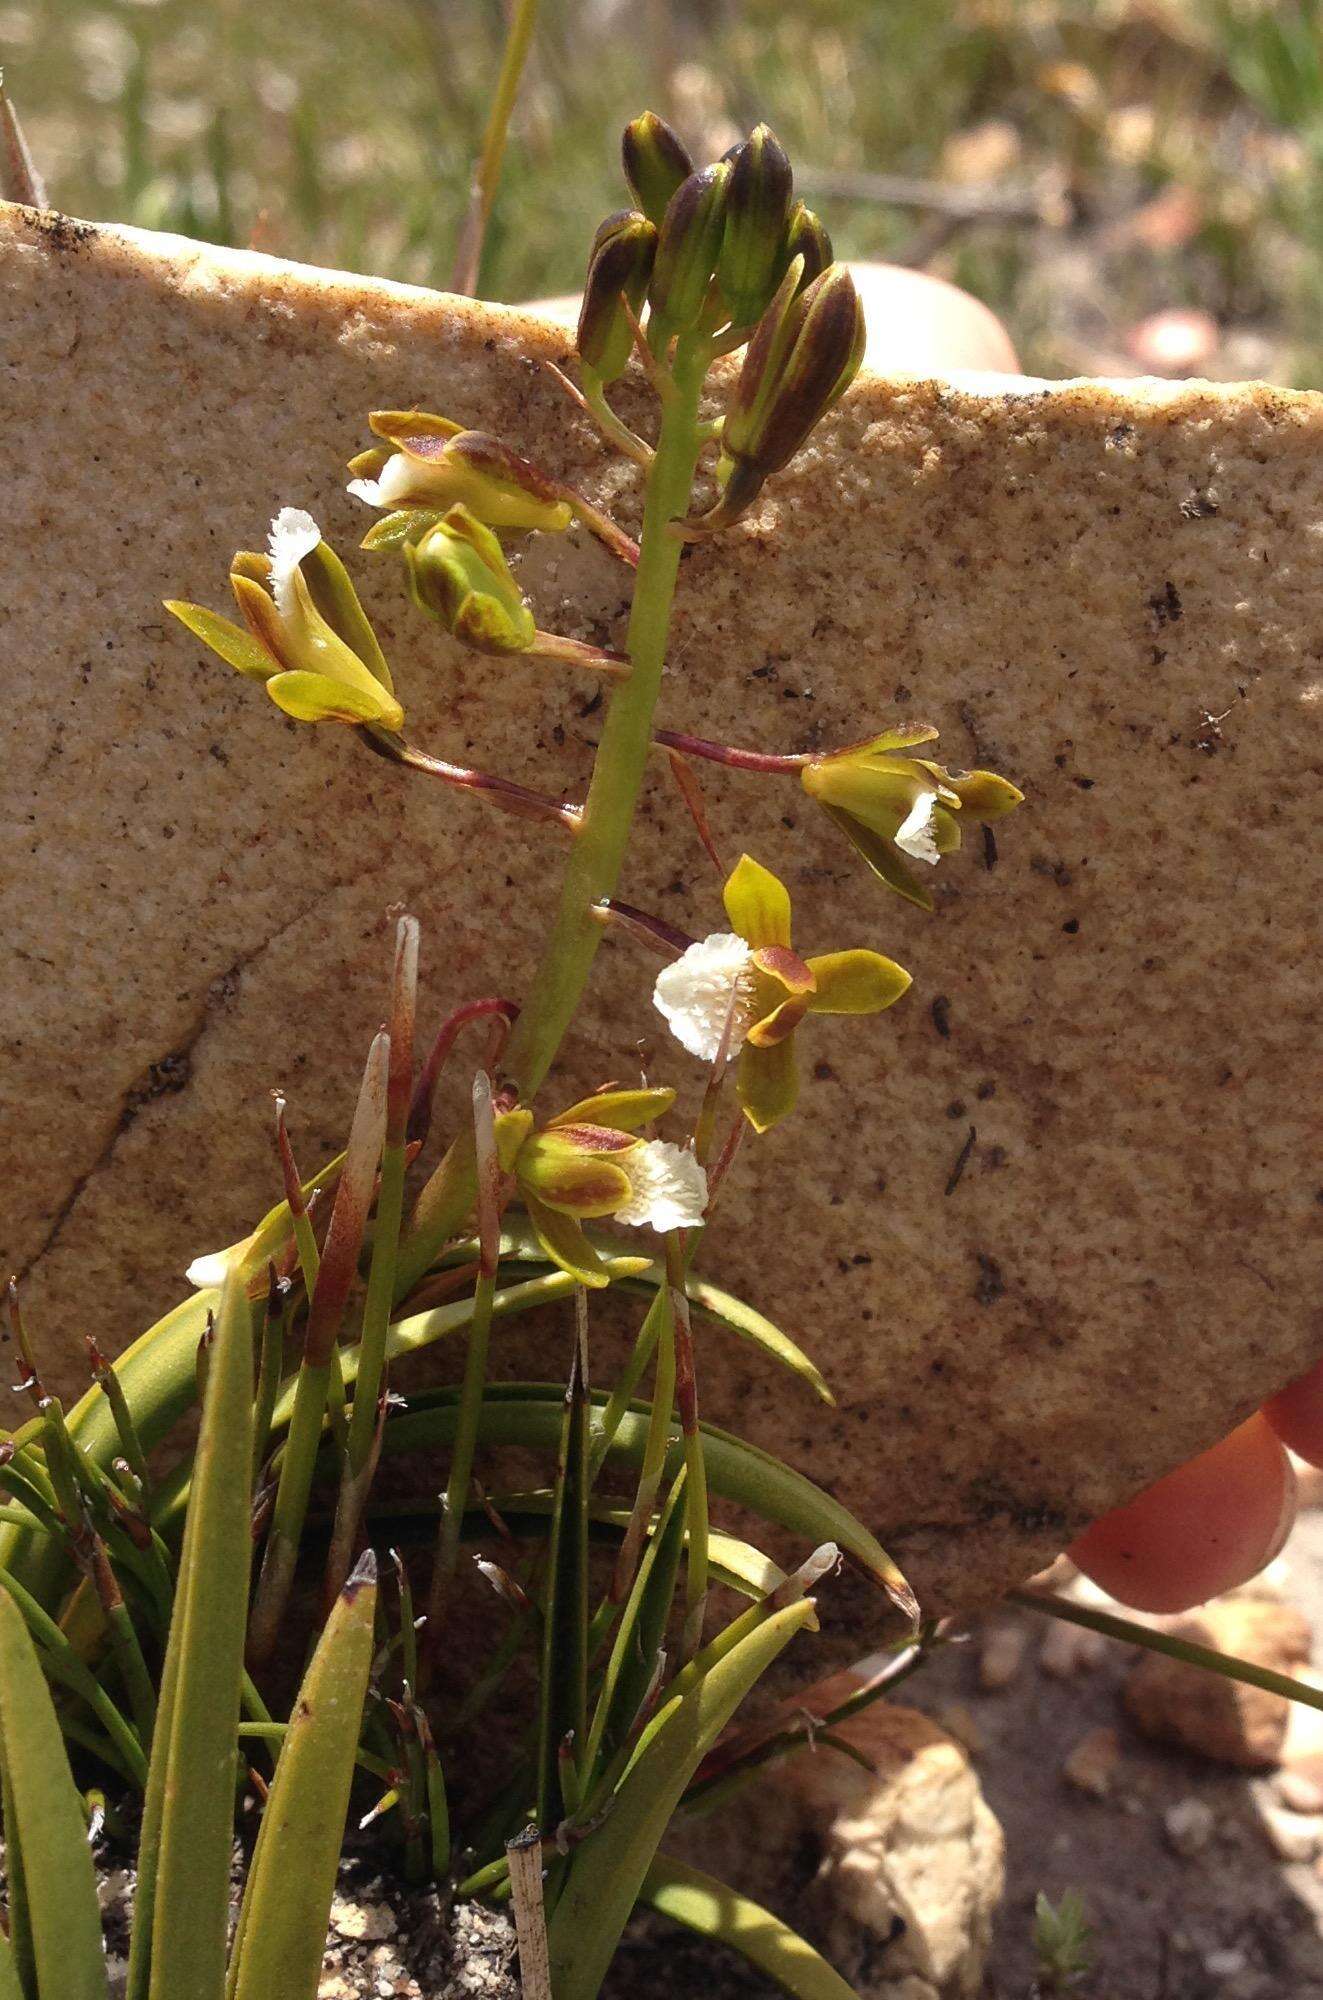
<point>1069,1650</point>
<point>1299,1791</point>
<point>1091,1765</point>
<point>1000,1656</point>
<point>1225,1964</point>
<point>1189,1826</point>
<point>1294,1836</point>
<point>367,1921</point>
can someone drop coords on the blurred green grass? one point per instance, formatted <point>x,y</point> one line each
<point>1162,153</point>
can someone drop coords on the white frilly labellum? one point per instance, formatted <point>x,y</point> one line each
<point>668,1188</point>
<point>695,994</point>
<point>393,485</point>
<point>293,536</point>
<point>914,836</point>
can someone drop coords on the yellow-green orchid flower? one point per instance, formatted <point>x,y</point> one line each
<point>749,988</point>
<point>305,634</point>
<point>893,807</point>
<point>428,462</point>
<point>589,1162</point>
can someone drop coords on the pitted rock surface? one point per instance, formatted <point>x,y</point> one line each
<point>1113,593</point>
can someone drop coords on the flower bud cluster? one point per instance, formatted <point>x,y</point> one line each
<point>722,236</point>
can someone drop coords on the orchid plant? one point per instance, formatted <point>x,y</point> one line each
<point>523,1207</point>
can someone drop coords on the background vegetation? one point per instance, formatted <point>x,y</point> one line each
<point>1083,164</point>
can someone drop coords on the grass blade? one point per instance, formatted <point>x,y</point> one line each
<point>642,1629</point>
<point>55,1917</point>
<point>320,1368</point>
<point>281,1941</point>
<point>607,1872</point>
<point>179,1933</point>
<point>704,1905</point>
<point>563,1715</point>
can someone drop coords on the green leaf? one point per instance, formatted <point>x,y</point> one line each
<point>607,1871</point>
<point>519,1244</point>
<point>751,1324</point>
<point>563,1708</point>
<point>9,1985</point>
<point>46,1832</point>
<point>182,1916</point>
<point>529,1413</point>
<point>639,1637</point>
<point>691,1898</point>
<point>281,1940</point>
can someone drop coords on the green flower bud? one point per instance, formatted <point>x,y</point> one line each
<point>688,245</point>
<point>806,238</point>
<point>804,354</point>
<point>458,573</point>
<point>757,208</point>
<point>621,262</point>
<point>655,161</point>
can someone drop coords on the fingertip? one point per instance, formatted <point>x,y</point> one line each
<point>1211,1524</point>
<point>1296,1415</point>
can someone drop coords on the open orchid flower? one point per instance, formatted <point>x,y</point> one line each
<point>896,809</point>
<point>589,1163</point>
<point>430,463</point>
<point>305,634</point>
<point>751,978</point>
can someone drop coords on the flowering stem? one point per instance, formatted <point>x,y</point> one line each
<point>726,753</point>
<point>608,814</point>
<point>695,1492</point>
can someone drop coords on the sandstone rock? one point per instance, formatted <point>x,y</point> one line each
<point>1222,1719</point>
<point>909,1856</point>
<point>1111,591</point>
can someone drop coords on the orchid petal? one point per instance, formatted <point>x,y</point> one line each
<point>310,697</point>
<point>856,982</point>
<point>565,1243</point>
<point>239,649</point>
<point>624,1110</point>
<point>767,1083</point>
<point>757,903</point>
